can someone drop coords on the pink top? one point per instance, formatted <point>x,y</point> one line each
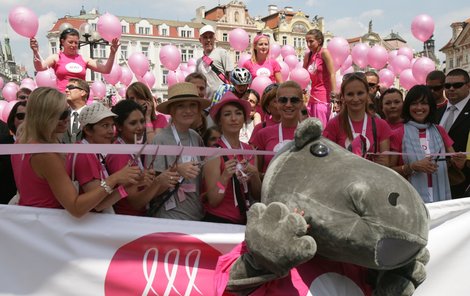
<point>160,122</point>
<point>268,139</point>
<point>34,191</point>
<point>227,209</point>
<point>115,162</point>
<point>260,126</point>
<point>87,168</point>
<point>320,77</point>
<point>335,132</point>
<point>69,67</point>
<point>394,126</point>
<point>268,68</point>
<point>305,279</point>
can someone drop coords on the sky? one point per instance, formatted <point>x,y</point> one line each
<point>343,18</point>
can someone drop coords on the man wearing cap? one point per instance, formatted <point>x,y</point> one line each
<point>215,63</point>
<point>183,202</point>
<point>76,91</point>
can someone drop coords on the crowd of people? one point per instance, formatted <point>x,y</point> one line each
<point>416,134</point>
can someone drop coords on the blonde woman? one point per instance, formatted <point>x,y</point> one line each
<point>261,64</point>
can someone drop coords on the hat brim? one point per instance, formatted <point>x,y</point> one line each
<point>216,108</point>
<point>165,106</point>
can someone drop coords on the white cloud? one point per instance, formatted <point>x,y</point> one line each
<point>347,27</point>
<point>312,3</point>
<point>372,14</point>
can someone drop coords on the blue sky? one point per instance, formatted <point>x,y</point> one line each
<point>343,18</point>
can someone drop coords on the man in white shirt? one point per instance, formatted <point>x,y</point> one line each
<point>77,92</point>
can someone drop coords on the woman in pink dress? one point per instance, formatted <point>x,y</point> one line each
<point>319,64</point>
<point>261,64</point>
<point>68,63</point>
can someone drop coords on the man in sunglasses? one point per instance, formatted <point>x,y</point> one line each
<point>456,119</point>
<point>23,94</point>
<point>77,92</point>
<point>373,80</point>
<point>435,81</point>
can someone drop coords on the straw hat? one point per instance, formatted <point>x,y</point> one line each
<point>184,91</point>
<point>93,113</point>
<point>230,97</point>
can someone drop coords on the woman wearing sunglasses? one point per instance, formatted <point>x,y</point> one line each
<point>130,126</point>
<point>420,139</point>
<point>274,137</point>
<point>42,178</point>
<point>68,63</point>
<point>261,64</point>
<point>355,128</point>
<point>16,117</point>
<point>231,181</point>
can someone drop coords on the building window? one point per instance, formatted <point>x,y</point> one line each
<point>284,40</point>
<point>236,16</point>
<point>124,52</point>
<point>147,31</point>
<point>124,29</point>
<point>102,51</point>
<point>145,49</point>
<point>93,27</point>
<point>237,56</point>
<point>185,34</point>
<point>164,77</point>
<point>451,64</point>
<point>186,54</point>
<point>225,37</point>
<point>54,47</point>
<point>141,31</point>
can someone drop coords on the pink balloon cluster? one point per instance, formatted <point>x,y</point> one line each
<point>23,21</point>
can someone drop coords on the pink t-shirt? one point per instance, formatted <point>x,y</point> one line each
<point>227,209</point>
<point>34,191</point>
<point>260,126</point>
<point>335,132</point>
<point>268,68</point>
<point>115,162</point>
<point>268,139</point>
<point>69,67</point>
<point>320,77</point>
<point>394,126</point>
<point>305,279</point>
<point>87,168</point>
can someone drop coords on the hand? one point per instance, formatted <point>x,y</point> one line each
<point>250,170</point>
<point>33,43</point>
<point>168,178</point>
<point>128,174</point>
<point>458,160</point>
<point>115,45</point>
<point>230,169</point>
<point>148,110</point>
<point>148,177</point>
<point>425,165</point>
<point>188,170</point>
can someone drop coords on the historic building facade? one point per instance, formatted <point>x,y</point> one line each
<point>457,50</point>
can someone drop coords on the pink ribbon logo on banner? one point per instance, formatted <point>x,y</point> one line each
<point>162,264</point>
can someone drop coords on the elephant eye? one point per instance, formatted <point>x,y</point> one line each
<point>393,198</point>
<point>319,150</point>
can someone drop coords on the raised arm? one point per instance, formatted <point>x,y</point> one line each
<point>105,68</point>
<point>39,64</point>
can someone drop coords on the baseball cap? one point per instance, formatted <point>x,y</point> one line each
<point>93,113</point>
<point>205,29</point>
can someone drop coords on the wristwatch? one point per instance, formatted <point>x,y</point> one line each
<point>106,187</point>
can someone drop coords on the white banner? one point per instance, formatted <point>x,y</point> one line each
<point>48,252</point>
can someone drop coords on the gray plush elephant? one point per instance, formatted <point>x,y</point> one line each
<point>329,219</point>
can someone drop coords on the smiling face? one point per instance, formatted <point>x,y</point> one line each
<point>289,104</point>
<point>392,105</point>
<point>133,127</point>
<point>262,47</point>
<point>419,110</point>
<point>101,132</point>
<point>355,96</point>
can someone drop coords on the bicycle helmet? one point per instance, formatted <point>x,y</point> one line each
<point>240,76</point>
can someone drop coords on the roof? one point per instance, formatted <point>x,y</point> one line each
<point>451,42</point>
<point>394,36</point>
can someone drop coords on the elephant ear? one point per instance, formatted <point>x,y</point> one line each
<point>308,131</point>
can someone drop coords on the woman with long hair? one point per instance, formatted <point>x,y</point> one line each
<point>355,128</point>
<point>42,178</point>
<point>261,64</point>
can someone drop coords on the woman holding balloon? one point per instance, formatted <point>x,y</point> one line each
<point>68,63</point>
<point>261,64</point>
<point>319,63</point>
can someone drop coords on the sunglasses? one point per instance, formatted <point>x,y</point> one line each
<point>436,87</point>
<point>65,114</point>
<point>70,87</point>
<point>20,116</point>
<point>23,97</point>
<point>455,85</point>
<point>285,100</point>
<point>372,85</point>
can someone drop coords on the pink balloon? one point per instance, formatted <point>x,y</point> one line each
<point>243,58</point>
<point>287,50</point>
<point>339,80</point>
<point>347,70</point>
<point>13,85</point>
<point>406,51</point>
<point>359,54</point>
<point>239,39</point>
<point>192,62</point>
<point>7,109</point>
<point>122,91</point>
<point>274,50</point>
<point>126,76</point>
<point>9,93</point>
<point>170,57</point>
<point>183,67</point>
<point>407,80</point>
<point>31,85</point>
<point>386,77</point>
<point>301,76</point>
<point>180,76</point>
<point>377,57</point>
<point>421,68</point>
<point>3,103</point>
<point>347,63</point>
<point>109,27</point>
<point>392,54</point>
<point>284,70</point>
<point>24,21</point>
<point>400,63</point>
<point>260,83</point>
<point>171,78</point>
<point>339,49</point>
<point>192,69</point>
<point>138,63</point>
<point>149,79</point>
<point>114,76</point>
<point>46,78</point>
<point>422,27</point>
<point>99,89</point>
<point>291,61</point>
<point>1,82</point>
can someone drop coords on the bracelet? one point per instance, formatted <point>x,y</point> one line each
<point>221,187</point>
<point>122,191</point>
<point>106,187</point>
<point>149,124</point>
